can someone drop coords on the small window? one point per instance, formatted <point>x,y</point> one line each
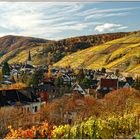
<point>35,108</point>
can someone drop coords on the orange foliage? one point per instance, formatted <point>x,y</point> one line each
<point>121,100</point>
<point>14,86</point>
<point>70,105</point>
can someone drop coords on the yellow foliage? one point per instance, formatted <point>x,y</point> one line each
<point>109,55</point>
<point>14,86</point>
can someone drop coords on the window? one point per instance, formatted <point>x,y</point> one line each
<point>35,108</point>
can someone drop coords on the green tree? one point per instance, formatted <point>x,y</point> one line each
<point>58,81</point>
<point>6,69</point>
<point>86,83</point>
<point>36,78</point>
<point>81,75</point>
<point>0,77</point>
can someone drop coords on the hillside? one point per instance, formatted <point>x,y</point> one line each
<point>123,53</point>
<point>14,48</point>
<point>57,50</point>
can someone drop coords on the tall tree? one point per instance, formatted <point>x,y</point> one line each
<point>36,78</point>
<point>0,77</point>
<point>81,75</point>
<point>58,81</point>
<point>6,69</point>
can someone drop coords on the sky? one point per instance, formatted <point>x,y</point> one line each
<point>58,20</point>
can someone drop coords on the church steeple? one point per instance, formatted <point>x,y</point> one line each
<point>29,58</point>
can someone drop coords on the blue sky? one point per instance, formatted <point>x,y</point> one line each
<point>59,20</point>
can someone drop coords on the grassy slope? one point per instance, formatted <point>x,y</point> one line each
<point>108,55</point>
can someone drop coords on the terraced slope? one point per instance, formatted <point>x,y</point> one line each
<point>123,53</point>
<point>14,48</point>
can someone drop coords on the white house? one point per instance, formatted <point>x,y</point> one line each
<point>33,107</point>
<point>78,88</point>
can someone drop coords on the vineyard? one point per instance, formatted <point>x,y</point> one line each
<point>93,128</point>
<point>117,115</point>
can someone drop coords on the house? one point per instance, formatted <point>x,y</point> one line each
<point>46,91</point>
<point>94,83</point>
<point>107,85</point>
<point>24,98</point>
<point>33,107</point>
<point>124,84</point>
<point>17,66</point>
<point>130,81</point>
<point>7,80</point>
<point>127,85</point>
<point>66,79</point>
<point>90,73</point>
<point>79,89</point>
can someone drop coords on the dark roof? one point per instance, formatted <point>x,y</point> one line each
<point>121,83</point>
<point>10,97</point>
<point>130,80</point>
<point>45,87</point>
<point>113,83</point>
<point>28,66</point>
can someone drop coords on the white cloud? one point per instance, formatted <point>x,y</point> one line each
<point>40,19</point>
<point>109,27</point>
<point>104,15</point>
<point>97,11</point>
<point>48,19</point>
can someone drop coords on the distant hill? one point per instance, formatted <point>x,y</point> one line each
<point>58,49</point>
<point>122,54</point>
<point>14,48</point>
<point>11,47</point>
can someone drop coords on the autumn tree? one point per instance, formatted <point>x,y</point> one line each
<point>137,83</point>
<point>49,74</point>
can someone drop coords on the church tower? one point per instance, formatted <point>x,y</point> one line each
<point>29,59</point>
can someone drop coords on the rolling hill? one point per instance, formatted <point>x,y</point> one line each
<point>122,53</point>
<point>14,48</point>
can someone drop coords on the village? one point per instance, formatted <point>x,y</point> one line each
<point>56,82</point>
